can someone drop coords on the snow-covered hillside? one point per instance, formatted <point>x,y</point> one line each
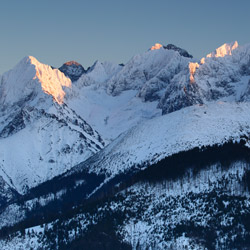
<point>178,211</point>
<point>40,136</point>
<point>164,215</point>
<point>109,115</point>
<point>191,127</point>
<point>148,143</point>
<point>48,144</point>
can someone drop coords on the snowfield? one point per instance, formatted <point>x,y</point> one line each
<point>153,140</point>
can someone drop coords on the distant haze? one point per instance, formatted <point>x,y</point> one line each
<point>58,31</point>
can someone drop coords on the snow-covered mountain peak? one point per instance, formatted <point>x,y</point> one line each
<point>156,46</point>
<point>98,73</point>
<point>52,81</point>
<point>29,60</point>
<point>69,63</point>
<point>222,75</point>
<point>154,67</point>
<point>224,50</point>
<point>73,70</point>
<point>46,138</point>
<point>28,78</point>
<point>181,51</point>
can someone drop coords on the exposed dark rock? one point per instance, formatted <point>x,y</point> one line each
<point>14,126</point>
<point>180,50</point>
<point>73,70</point>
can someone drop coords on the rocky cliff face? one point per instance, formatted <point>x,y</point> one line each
<point>73,70</point>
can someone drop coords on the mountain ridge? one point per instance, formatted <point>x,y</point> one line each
<point>150,154</point>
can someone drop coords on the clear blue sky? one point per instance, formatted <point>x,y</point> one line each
<point>56,31</point>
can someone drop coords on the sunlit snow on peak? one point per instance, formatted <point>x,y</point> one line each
<point>52,80</point>
<point>69,63</point>
<point>192,68</point>
<point>156,46</point>
<point>29,80</point>
<point>224,50</point>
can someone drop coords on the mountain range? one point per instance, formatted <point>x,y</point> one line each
<point>151,154</point>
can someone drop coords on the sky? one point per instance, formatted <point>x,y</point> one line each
<point>56,31</point>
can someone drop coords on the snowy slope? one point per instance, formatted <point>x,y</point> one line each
<point>149,143</point>
<point>162,214</point>
<point>155,139</point>
<point>158,138</point>
<point>40,136</point>
<point>47,145</point>
<point>28,78</point>
<point>109,115</point>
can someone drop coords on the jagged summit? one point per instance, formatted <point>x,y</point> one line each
<point>224,50</point>
<point>30,78</point>
<point>69,63</point>
<point>30,60</point>
<point>156,46</point>
<point>95,64</point>
<point>149,72</point>
<point>99,72</point>
<point>73,70</point>
<point>181,51</point>
<point>40,135</point>
<point>223,75</point>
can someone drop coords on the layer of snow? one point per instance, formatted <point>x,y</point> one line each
<point>153,140</point>
<point>110,115</point>
<point>46,147</point>
<point>224,50</point>
<point>28,78</point>
<point>154,209</point>
<point>113,98</point>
